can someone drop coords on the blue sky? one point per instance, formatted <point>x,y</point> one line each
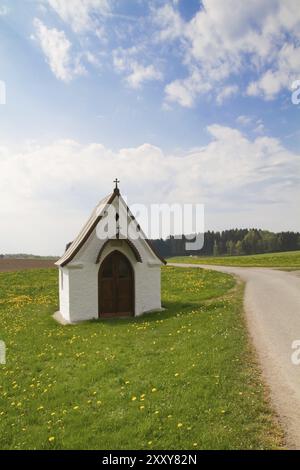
<point>186,101</point>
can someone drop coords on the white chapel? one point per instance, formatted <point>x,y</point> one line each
<point>110,269</point>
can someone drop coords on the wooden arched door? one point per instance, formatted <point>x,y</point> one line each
<point>116,286</point>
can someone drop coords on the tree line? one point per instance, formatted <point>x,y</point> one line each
<point>231,242</point>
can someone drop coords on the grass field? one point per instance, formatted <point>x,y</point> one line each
<point>290,259</point>
<point>184,378</point>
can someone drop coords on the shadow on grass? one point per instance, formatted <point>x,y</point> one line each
<point>171,310</point>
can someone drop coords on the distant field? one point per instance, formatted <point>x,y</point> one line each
<point>290,259</point>
<point>11,264</point>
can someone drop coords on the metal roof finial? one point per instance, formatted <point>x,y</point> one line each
<point>116,181</point>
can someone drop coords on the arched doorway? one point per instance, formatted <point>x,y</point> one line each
<point>116,286</point>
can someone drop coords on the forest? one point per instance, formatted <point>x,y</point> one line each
<point>231,242</point>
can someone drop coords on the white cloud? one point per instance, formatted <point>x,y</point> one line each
<point>257,126</point>
<point>261,36</point>
<point>185,91</point>
<point>136,73</point>
<point>244,120</point>
<point>226,93</point>
<point>58,52</point>
<point>140,73</point>
<point>179,91</point>
<point>285,71</point>
<point>54,187</point>
<point>171,26</point>
<point>216,47</point>
<point>80,14</point>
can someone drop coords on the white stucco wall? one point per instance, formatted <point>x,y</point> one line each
<point>147,288</point>
<point>64,290</point>
<point>79,295</point>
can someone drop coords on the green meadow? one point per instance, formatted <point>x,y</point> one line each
<point>288,259</point>
<point>184,378</point>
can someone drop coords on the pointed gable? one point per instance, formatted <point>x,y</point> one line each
<point>84,235</point>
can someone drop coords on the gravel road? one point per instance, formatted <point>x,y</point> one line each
<point>272,306</point>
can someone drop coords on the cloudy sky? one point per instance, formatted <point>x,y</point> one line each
<point>184,100</point>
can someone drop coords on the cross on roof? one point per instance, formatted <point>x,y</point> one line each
<point>116,181</point>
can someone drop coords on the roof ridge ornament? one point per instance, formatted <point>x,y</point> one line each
<point>116,189</point>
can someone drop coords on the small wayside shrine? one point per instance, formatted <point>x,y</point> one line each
<point>110,269</point>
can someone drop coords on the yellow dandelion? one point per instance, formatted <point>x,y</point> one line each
<point>154,390</point>
<point>51,439</point>
<point>133,398</point>
<point>177,374</point>
<point>142,407</point>
<point>179,425</point>
<point>76,407</point>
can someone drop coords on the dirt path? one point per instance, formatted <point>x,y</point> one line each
<point>272,305</point>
